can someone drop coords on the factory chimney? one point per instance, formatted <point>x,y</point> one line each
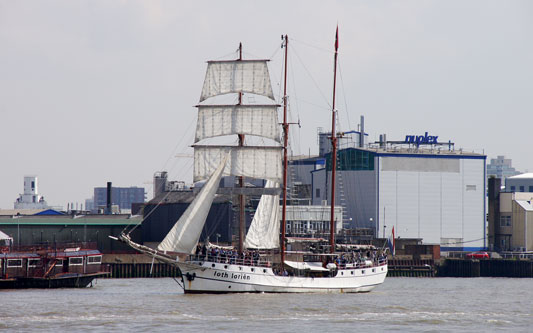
<point>362,133</point>
<point>109,202</point>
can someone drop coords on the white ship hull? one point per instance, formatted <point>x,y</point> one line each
<point>210,277</point>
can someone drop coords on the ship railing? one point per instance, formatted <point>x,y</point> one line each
<point>362,263</point>
<point>53,246</point>
<point>231,260</point>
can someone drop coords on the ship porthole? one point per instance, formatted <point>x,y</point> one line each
<point>352,272</point>
<point>225,266</point>
<point>240,268</point>
<point>253,269</point>
<point>212,265</point>
<point>264,270</point>
<point>229,287</point>
<point>342,273</point>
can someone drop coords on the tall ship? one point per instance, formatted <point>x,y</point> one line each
<point>260,262</point>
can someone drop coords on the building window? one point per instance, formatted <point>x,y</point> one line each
<point>59,262</point>
<point>513,188</point>
<point>75,261</point>
<point>94,260</point>
<point>34,262</point>
<point>317,193</point>
<point>14,262</point>
<point>522,189</point>
<point>530,188</point>
<point>505,221</point>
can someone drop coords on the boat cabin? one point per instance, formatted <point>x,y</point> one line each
<point>48,262</point>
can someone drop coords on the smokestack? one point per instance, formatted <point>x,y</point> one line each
<point>362,133</point>
<point>108,198</point>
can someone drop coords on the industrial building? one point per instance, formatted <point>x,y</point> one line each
<point>423,188</point>
<point>30,199</point>
<point>510,219</point>
<point>501,167</point>
<point>436,196</point>
<point>122,197</point>
<point>519,183</point>
<point>47,227</point>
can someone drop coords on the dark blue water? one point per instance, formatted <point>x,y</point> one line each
<point>401,304</point>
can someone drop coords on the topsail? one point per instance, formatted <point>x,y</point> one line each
<point>234,76</point>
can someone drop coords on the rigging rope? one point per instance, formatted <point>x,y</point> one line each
<point>344,93</point>
<point>313,80</point>
<point>313,46</point>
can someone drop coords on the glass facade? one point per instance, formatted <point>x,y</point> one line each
<point>352,159</point>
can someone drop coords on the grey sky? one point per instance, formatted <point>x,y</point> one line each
<point>96,91</point>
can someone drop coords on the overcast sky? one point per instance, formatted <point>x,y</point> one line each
<point>97,91</point>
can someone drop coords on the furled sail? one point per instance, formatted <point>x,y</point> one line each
<point>185,234</point>
<point>248,161</point>
<point>235,76</point>
<point>264,229</point>
<point>217,120</point>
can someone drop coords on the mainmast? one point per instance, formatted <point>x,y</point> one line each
<point>285,159</point>
<point>333,149</point>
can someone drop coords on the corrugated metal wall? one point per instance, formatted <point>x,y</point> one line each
<point>440,200</point>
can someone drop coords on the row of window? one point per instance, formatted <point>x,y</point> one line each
<point>304,227</point>
<point>522,189</point>
<point>352,159</point>
<point>72,261</point>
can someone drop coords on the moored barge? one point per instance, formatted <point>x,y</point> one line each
<point>45,266</point>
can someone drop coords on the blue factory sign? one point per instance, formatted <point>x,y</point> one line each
<point>421,139</point>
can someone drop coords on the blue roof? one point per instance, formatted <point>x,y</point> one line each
<point>50,212</point>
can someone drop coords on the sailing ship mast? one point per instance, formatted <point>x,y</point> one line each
<point>213,161</point>
<point>242,217</point>
<point>285,159</point>
<point>333,149</point>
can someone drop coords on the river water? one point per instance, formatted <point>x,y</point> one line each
<point>159,305</point>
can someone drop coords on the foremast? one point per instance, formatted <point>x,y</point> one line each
<point>262,162</point>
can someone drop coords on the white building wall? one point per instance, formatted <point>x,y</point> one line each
<point>388,203</point>
<point>474,220</point>
<point>452,210</point>
<point>406,225</point>
<point>440,200</point>
<point>429,218</point>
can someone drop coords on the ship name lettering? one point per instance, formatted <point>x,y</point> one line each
<point>221,274</point>
<point>240,276</point>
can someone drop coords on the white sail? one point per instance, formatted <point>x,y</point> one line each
<point>234,76</point>
<point>247,161</point>
<point>264,229</point>
<point>217,120</point>
<point>185,234</point>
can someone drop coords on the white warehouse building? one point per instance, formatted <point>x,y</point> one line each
<point>436,194</point>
